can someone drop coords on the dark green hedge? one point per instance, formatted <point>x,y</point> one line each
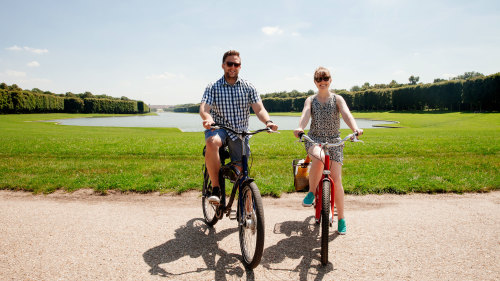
<point>73,105</point>
<point>16,100</point>
<point>481,93</point>
<point>6,104</point>
<point>93,105</point>
<point>142,107</point>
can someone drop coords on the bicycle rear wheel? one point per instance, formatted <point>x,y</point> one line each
<point>325,221</point>
<point>251,225</point>
<point>209,210</point>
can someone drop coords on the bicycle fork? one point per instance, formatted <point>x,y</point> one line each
<point>319,191</point>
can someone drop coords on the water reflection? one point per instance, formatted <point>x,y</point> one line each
<point>191,122</point>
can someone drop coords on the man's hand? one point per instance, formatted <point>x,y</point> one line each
<point>271,125</point>
<point>207,124</point>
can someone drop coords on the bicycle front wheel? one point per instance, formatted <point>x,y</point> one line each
<point>209,210</point>
<point>251,225</point>
<point>325,221</point>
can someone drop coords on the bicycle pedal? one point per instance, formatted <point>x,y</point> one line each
<point>232,214</point>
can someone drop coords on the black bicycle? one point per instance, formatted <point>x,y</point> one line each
<point>249,210</point>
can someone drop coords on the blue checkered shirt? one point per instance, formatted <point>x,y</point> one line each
<point>230,104</point>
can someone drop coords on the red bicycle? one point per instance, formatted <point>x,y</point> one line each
<point>325,196</point>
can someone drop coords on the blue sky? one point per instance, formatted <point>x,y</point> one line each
<point>166,52</point>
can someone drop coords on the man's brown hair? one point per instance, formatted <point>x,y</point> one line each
<point>230,53</point>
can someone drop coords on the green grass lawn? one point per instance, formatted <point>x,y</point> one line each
<point>429,152</point>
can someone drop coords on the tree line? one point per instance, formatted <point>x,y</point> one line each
<point>16,100</point>
<point>471,91</point>
<point>479,93</point>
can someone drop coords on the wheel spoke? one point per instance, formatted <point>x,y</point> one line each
<point>251,226</point>
<point>209,210</point>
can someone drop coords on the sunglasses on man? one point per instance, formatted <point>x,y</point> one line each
<point>231,64</point>
<point>319,79</point>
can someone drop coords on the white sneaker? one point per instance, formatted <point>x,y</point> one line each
<point>214,200</point>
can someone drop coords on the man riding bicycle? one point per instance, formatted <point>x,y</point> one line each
<point>227,101</point>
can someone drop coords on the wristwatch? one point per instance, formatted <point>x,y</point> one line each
<point>269,121</point>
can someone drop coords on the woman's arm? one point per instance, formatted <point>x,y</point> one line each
<point>347,116</point>
<point>304,118</point>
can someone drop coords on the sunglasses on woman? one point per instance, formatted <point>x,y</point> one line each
<point>230,64</point>
<point>319,79</point>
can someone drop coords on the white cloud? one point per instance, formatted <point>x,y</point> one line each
<point>14,73</point>
<point>295,34</point>
<point>164,76</point>
<point>36,51</point>
<point>14,48</point>
<point>33,64</point>
<point>29,49</point>
<point>272,30</point>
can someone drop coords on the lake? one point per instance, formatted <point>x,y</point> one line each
<point>187,122</point>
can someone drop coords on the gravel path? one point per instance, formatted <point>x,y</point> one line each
<point>83,236</point>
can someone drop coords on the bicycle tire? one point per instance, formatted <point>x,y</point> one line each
<point>325,221</point>
<point>209,210</point>
<point>251,226</point>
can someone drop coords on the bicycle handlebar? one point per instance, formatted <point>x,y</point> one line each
<point>353,137</point>
<point>248,133</point>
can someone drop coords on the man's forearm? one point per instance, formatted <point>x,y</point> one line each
<point>261,112</point>
<point>205,112</point>
<point>263,116</point>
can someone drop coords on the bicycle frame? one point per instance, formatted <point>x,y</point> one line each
<point>324,177</point>
<point>242,176</point>
<point>326,171</point>
<point>323,215</point>
<point>249,212</point>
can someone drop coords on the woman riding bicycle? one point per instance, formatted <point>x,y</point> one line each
<point>324,108</point>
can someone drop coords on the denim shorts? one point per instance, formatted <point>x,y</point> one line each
<point>235,149</point>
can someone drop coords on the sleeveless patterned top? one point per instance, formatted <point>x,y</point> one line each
<point>325,126</point>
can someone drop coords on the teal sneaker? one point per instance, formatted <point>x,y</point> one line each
<point>341,228</point>
<point>308,200</point>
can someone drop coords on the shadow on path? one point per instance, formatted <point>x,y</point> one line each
<point>193,240</point>
<point>303,243</point>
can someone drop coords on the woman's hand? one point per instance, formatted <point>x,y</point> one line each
<point>359,131</point>
<point>297,131</point>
